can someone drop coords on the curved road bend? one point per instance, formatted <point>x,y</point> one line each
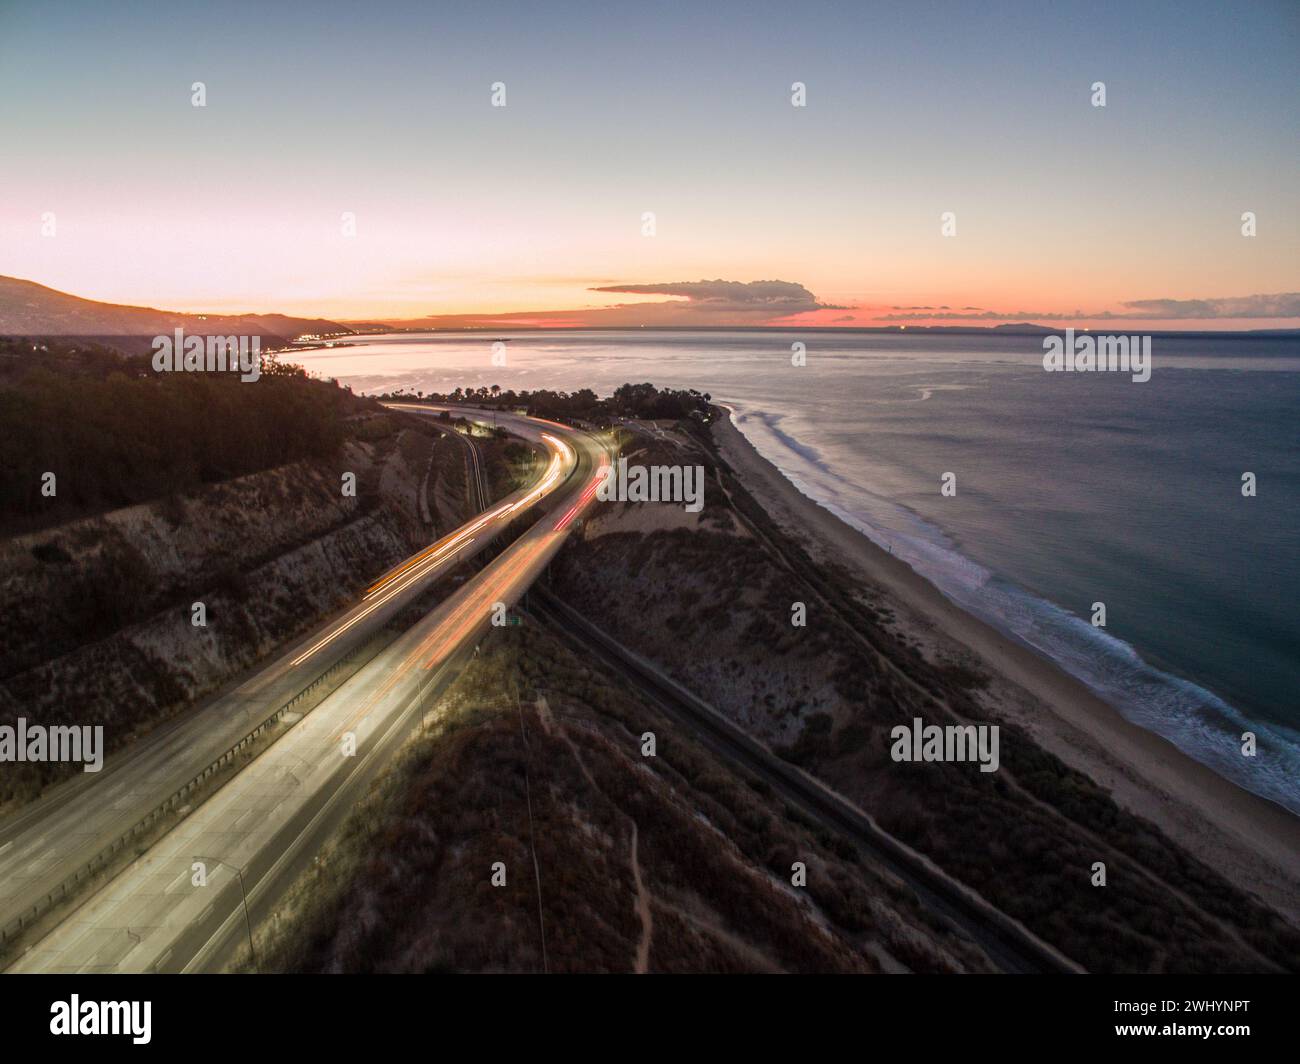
<point>48,842</point>
<point>152,917</point>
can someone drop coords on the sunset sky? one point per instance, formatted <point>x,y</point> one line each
<point>468,212</point>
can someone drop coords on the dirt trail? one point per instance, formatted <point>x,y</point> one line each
<point>642,901</point>
<point>643,911</point>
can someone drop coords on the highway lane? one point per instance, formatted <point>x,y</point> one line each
<point>49,841</point>
<point>153,916</point>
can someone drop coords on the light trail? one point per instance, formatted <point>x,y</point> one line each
<point>586,495</point>
<point>416,568</point>
<point>253,807</point>
<point>397,590</point>
<point>473,610</point>
<point>562,453</point>
<point>455,626</point>
<point>429,552</point>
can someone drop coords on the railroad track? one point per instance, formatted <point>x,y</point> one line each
<point>1007,942</point>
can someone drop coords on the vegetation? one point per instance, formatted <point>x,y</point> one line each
<point>95,620</point>
<point>534,754</point>
<point>114,433</point>
<point>1024,837</point>
<point>628,401</point>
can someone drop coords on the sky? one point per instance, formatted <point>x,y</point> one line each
<point>763,212</point>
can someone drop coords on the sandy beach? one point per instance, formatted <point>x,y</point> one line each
<point>1249,840</point>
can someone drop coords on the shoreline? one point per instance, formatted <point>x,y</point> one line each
<point>1247,838</point>
<point>1198,719</point>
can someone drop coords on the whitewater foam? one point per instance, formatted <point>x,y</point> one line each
<point>1196,720</point>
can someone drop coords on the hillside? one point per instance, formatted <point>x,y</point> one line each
<point>31,309</point>
<point>96,610</point>
<point>613,861</point>
<point>708,597</point>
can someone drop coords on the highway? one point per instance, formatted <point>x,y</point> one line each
<point>41,846</point>
<point>188,902</point>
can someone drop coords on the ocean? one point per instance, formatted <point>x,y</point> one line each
<point>1071,489</point>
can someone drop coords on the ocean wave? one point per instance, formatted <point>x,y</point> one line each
<point>1196,720</point>
<point>772,423</point>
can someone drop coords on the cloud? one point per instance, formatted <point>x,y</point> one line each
<point>1280,305</point>
<point>692,303</point>
<point>771,299</point>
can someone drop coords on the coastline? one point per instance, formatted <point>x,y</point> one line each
<point>1243,836</point>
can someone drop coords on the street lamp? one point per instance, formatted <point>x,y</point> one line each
<point>248,923</point>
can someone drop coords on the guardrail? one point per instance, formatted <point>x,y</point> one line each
<point>28,916</point>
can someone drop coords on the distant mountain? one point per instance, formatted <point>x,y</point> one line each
<point>31,309</point>
<point>369,327</point>
<point>1024,327</point>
